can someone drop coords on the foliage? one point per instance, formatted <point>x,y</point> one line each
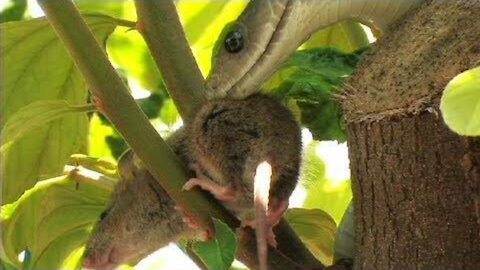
<point>460,103</point>
<point>14,11</point>
<point>41,88</point>
<point>310,78</point>
<point>345,239</point>
<point>51,220</point>
<point>219,252</point>
<point>330,195</point>
<point>30,53</point>
<point>316,229</point>
<point>34,116</point>
<point>346,36</point>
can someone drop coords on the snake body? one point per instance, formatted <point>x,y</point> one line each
<point>271,30</point>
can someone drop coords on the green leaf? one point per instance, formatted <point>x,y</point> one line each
<point>112,8</point>
<point>51,220</point>
<point>74,260</point>
<point>169,113</point>
<point>345,239</point>
<point>34,116</point>
<point>13,11</point>
<point>310,78</point>
<point>460,103</point>
<point>332,196</point>
<point>316,229</point>
<point>36,67</point>
<point>203,22</point>
<point>117,145</point>
<point>130,52</point>
<point>219,252</point>
<point>98,131</point>
<point>152,104</point>
<point>6,266</point>
<point>347,36</point>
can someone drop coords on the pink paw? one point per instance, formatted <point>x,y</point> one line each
<point>270,235</point>
<point>222,193</point>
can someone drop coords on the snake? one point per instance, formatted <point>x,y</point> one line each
<point>267,32</point>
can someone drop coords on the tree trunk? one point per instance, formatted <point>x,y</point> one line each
<point>416,184</point>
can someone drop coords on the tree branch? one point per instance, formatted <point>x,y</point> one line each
<point>163,32</point>
<point>115,102</point>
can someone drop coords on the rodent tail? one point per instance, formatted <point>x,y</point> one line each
<point>261,189</point>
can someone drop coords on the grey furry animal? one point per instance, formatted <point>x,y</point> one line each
<point>141,217</point>
<point>229,138</point>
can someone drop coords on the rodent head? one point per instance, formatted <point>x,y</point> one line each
<point>141,218</point>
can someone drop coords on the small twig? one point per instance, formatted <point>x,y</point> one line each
<point>82,175</point>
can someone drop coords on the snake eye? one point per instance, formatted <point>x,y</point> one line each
<point>234,42</point>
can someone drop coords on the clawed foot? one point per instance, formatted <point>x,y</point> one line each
<point>270,235</point>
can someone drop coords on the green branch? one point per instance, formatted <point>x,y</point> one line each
<point>163,32</point>
<point>115,102</point>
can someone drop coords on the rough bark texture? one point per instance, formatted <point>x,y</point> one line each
<point>416,184</point>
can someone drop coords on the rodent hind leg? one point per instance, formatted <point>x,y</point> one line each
<point>222,193</point>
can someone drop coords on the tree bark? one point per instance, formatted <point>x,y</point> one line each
<point>416,184</point>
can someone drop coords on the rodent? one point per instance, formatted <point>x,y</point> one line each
<point>229,138</point>
<point>141,217</point>
<point>226,141</point>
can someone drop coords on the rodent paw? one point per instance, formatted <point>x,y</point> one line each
<point>222,193</point>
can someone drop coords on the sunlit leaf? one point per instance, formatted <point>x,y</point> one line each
<point>130,52</point>
<point>345,240</point>
<point>203,21</point>
<point>52,219</point>
<point>98,131</point>
<point>6,266</point>
<point>104,141</point>
<point>316,229</point>
<point>115,8</point>
<point>347,36</point>
<point>313,168</point>
<point>322,192</point>
<point>460,103</point>
<point>34,116</point>
<point>13,11</point>
<point>74,260</point>
<point>35,66</point>
<point>219,252</point>
<point>169,114</point>
<point>126,47</point>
